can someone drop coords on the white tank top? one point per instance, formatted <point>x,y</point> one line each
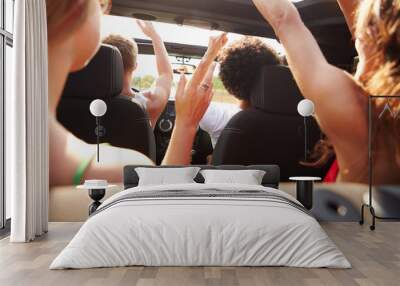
<point>141,100</point>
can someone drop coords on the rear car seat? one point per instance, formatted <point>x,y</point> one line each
<point>126,123</point>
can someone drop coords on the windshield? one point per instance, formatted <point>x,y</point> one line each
<point>146,73</point>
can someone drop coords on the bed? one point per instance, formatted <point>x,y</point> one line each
<point>201,224</point>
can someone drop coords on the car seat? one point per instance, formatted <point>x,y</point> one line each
<point>271,131</point>
<point>126,123</point>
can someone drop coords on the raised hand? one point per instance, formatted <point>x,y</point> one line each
<point>193,99</point>
<point>215,44</point>
<point>191,102</point>
<point>147,28</point>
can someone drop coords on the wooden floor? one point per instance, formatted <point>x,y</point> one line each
<point>375,257</point>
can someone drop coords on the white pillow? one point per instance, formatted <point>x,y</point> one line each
<point>166,176</point>
<point>247,177</point>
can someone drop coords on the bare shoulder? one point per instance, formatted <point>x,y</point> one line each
<point>358,93</point>
<point>341,106</point>
<point>341,86</point>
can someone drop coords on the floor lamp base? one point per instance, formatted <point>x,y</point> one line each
<point>372,211</point>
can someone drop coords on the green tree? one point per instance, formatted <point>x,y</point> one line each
<point>144,82</point>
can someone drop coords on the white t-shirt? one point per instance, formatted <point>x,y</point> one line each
<point>216,118</point>
<point>141,100</point>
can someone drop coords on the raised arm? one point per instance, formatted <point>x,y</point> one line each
<point>349,8</point>
<point>158,97</point>
<point>333,91</point>
<point>191,102</point>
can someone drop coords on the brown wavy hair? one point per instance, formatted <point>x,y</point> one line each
<point>241,62</point>
<point>64,16</point>
<point>378,27</point>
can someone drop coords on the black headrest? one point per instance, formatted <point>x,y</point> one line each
<point>275,91</point>
<point>106,67</point>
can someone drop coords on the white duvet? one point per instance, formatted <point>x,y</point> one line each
<point>200,232</point>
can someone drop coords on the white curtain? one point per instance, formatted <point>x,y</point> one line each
<point>26,117</point>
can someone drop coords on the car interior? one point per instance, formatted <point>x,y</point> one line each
<point>272,127</point>
<point>327,25</point>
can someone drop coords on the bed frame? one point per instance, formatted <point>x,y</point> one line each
<point>271,177</point>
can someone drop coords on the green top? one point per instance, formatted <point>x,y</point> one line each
<point>80,171</point>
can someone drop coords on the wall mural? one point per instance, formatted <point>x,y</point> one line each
<point>231,100</point>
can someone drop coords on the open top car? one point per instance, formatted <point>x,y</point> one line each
<point>240,17</point>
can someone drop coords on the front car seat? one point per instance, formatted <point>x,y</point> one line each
<point>126,123</point>
<point>271,131</point>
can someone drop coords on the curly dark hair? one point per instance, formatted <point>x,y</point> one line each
<point>240,63</point>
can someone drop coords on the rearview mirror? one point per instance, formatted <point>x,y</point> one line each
<point>180,68</point>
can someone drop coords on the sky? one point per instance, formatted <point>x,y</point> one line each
<point>169,33</point>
